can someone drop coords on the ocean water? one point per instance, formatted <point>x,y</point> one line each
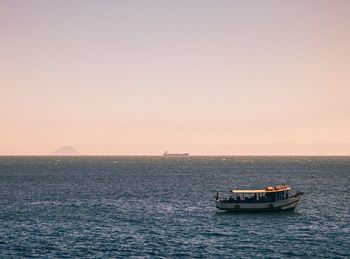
<point>154,207</point>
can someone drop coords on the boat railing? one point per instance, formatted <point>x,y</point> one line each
<point>297,194</point>
<point>247,200</point>
<point>253,199</point>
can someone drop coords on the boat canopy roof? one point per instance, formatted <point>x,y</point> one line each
<point>266,190</point>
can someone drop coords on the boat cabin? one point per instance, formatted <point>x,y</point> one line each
<point>269,194</point>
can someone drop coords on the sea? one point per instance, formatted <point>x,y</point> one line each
<point>156,207</point>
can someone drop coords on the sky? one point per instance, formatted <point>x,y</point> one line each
<point>204,77</point>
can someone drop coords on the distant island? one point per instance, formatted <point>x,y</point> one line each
<point>65,151</point>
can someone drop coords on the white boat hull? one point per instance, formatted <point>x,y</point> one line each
<point>282,205</point>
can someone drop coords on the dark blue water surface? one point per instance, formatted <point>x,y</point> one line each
<point>164,207</point>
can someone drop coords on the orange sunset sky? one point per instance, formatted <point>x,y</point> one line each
<point>197,76</point>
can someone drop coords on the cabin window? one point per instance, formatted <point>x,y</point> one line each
<point>281,195</point>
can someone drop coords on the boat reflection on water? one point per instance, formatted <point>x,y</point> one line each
<point>275,198</point>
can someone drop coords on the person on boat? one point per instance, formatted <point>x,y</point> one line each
<point>217,196</point>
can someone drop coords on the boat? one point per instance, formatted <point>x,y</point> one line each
<point>167,154</point>
<point>272,198</point>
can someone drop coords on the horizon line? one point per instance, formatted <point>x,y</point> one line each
<point>196,155</point>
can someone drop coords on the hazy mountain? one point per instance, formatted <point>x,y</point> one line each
<point>65,151</point>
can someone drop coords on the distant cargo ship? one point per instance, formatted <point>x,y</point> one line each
<point>167,154</point>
